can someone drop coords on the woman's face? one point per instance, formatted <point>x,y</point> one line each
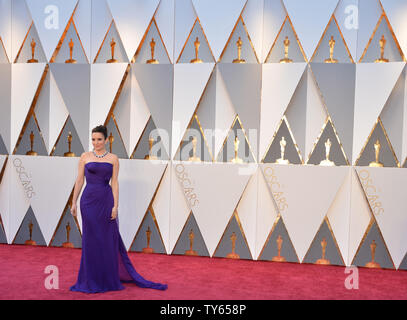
<point>98,141</point>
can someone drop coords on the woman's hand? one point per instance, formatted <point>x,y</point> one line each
<point>74,210</point>
<point>114,213</point>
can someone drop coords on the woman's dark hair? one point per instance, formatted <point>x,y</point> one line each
<point>100,129</point>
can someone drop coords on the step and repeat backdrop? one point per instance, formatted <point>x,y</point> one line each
<point>268,130</point>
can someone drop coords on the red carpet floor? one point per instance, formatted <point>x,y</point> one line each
<point>22,277</point>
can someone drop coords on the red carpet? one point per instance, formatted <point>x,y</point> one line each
<point>194,278</point>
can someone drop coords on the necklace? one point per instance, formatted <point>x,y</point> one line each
<point>101,156</point>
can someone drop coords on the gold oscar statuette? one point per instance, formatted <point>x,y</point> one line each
<point>111,140</point>
<point>279,258</point>
<point>233,254</point>
<point>71,59</point>
<point>327,162</point>
<point>283,144</point>
<point>32,152</point>
<point>152,60</point>
<point>239,44</point>
<point>191,252</point>
<point>69,153</point>
<point>236,159</point>
<point>331,51</point>
<point>286,46</point>
<point>323,261</point>
<point>33,45</point>
<point>150,156</point>
<point>197,44</point>
<point>148,249</point>
<point>194,158</point>
<point>68,244</point>
<point>373,264</point>
<point>30,242</point>
<point>377,163</point>
<point>382,43</point>
<point>112,49</point>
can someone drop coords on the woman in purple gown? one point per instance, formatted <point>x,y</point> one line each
<point>105,264</point>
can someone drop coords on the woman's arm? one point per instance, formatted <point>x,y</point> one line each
<point>115,187</point>
<point>78,184</point>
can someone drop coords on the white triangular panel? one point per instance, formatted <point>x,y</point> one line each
<point>360,216</point>
<point>51,20</point>
<point>25,81</point>
<point>101,20</point>
<point>374,84</point>
<point>253,19</point>
<point>385,188</point>
<point>157,79</point>
<point>266,214</point>
<point>316,114</point>
<point>18,198</point>
<point>5,25</point>
<point>165,23</point>
<point>339,215</point>
<point>247,209</point>
<point>310,19</point>
<point>185,17</point>
<point>140,113</point>
<point>5,193</point>
<point>347,16</point>
<point>161,207</point>
<point>225,113</point>
<point>216,25</point>
<point>132,18</point>
<point>5,103</point>
<point>395,11</point>
<point>73,82</point>
<point>58,112</point>
<point>179,207</point>
<point>189,84</point>
<point>306,206</point>
<point>138,181</point>
<point>392,116</point>
<point>21,22</point>
<point>46,174</point>
<point>103,92</point>
<point>369,15</point>
<point>245,96</point>
<point>278,86</point>
<point>218,188</point>
<point>81,18</point>
<point>274,16</point>
<point>42,111</point>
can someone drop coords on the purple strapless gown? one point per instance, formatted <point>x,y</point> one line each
<point>105,264</point>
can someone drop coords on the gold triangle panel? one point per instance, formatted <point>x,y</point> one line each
<point>236,147</point>
<point>324,249</point>
<point>68,143</point>
<point>286,48</point>
<point>67,233</point>
<point>283,148</point>
<point>372,251</point>
<point>148,238</point>
<point>150,137</point>
<point>233,244</point>
<point>190,241</point>
<point>278,246</point>
<point>32,142</point>
<point>194,146</point>
<point>328,149</point>
<point>29,232</point>
<point>115,144</point>
<point>378,149</point>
